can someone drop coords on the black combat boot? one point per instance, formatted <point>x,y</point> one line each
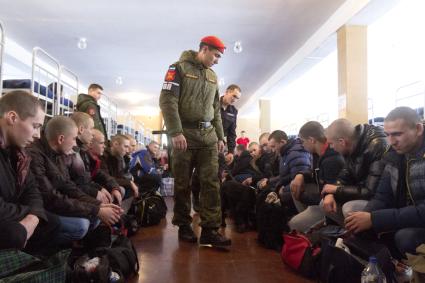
<point>211,237</point>
<point>186,234</point>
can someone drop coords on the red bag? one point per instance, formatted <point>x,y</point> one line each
<point>300,254</point>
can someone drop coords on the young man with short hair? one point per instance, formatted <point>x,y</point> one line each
<point>113,162</point>
<point>78,212</point>
<point>190,104</point>
<point>399,203</point>
<point>326,170</point>
<point>362,147</point>
<point>88,103</point>
<point>102,186</point>
<point>229,115</point>
<point>24,222</point>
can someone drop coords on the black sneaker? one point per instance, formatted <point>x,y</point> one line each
<point>212,238</point>
<point>186,234</point>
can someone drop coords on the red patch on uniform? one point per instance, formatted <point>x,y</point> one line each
<point>171,74</point>
<point>92,112</point>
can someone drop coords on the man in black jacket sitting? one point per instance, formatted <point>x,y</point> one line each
<point>362,147</point>
<point>23,220</point>
<point>327,165</point>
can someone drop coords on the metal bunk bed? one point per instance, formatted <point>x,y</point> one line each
<point>45,71</point>
<point>109,112</point>
<point>2,36</point>
<point>68,83</point>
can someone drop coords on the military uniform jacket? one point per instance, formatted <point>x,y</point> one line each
<point>88,104</point>
<point>190,95</point>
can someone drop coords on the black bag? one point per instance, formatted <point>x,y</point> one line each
<point>365,247</point>
<point>79,274</point>
<point>150,209</point>
<point>271,222</point>
<point>337,265</point>
<point>130,225</point>
<point>122,257</point>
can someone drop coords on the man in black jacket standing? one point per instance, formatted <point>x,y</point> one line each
<point>362,147</point>
<point>229,115</point>
<point>23,220</point>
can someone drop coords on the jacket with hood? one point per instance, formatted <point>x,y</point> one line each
<point>294,160</point>
<point>88,104</point>
<point>189,96</point>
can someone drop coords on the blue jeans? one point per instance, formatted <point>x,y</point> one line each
<point>408,239</point>
<point>74,228</point>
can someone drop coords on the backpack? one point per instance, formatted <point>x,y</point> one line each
<point>129,224</point>
<point>100,273</point>
<point>150,209</point>
<point>122,256</point>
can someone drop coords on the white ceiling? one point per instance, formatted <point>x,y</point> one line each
<point>137,40</point>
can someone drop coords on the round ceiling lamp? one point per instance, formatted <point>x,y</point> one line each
<point>119,81</point>
<point>237,47</point>
<point>82,43</point>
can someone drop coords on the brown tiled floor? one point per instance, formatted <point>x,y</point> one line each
<point>164,259</point>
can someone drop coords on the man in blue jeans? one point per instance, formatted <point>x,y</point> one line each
<point>399,202</point>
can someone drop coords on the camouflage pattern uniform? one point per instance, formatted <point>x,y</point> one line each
<point>189,96</point>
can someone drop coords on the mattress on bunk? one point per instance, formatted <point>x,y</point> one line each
<point>65,101</point>
<point>26,84</point>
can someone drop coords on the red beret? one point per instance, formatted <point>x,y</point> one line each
<point>214,42</point>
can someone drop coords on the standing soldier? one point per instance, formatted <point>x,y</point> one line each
<point>88,103</point>
<point>229,114</point>
<point>190,104</point>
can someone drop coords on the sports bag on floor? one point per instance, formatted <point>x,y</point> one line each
<point>150,209</point>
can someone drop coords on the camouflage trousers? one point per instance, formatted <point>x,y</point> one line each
<point>205,160</point>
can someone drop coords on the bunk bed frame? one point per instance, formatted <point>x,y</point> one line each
<point>40,72</point>
<point>2,43</point>
<point>68,94</point>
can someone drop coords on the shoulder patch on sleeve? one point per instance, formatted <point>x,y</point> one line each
<point>91,111</point>
<point>171,74</point>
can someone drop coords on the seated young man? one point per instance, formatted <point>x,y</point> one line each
<point>326,170</point>
<point>77,211</point>
<point>294,167</point>
<point>362,147</point>
<point>24,222</point>
<point>144,168</point>
<point>96,150</point>
<point>101,186</point>
<point>236,193</point>
<point>113,163</point>
<point>399,202</point>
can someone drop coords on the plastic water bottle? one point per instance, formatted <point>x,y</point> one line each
<point>372,273</point>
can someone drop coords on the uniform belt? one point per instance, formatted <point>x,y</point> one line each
<point>196,125</point>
